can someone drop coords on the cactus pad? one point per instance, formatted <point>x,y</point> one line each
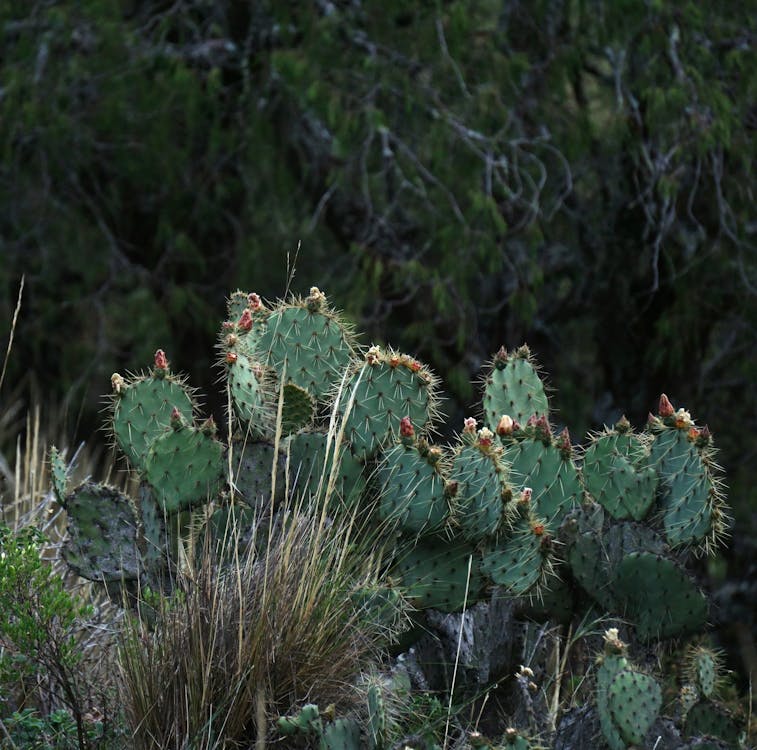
<point>142,411</point>
<point>380,392</point>
<point>412,489</point>
<point>58,475</point>
<point>185,467</point>
<point>513,387</point>
<point>102,534</point>
<point>618,474</point>
<point>634,701</point>
<point>435,575</point>
<point>252,467</point>
<point>659,598</point>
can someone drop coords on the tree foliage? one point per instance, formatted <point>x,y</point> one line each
<point>577,174</point>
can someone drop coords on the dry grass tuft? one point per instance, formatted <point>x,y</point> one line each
<point>273,628</point>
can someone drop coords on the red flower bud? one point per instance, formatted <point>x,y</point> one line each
<point>406,427</point>
<point>253,301</point>
<point>231,358</point>
<point>245,321</point>
<point>665,409</point>
<point>161,361</point>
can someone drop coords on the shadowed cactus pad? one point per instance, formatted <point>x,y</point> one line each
<point>435,575</point>
<point>102,534</point>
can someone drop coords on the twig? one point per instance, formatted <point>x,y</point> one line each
<point>13,329</point>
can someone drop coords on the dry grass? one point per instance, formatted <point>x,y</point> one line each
<point>274,628</point>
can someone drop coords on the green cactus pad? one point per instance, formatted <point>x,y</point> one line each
<point>377,720</point>
<point>513,387</point>
<point>58,475</point>
<point>659,598</point>
<point>411,490</point>
<point>307,721</point>
<point>142,411</point>
<point>248,394</point>
<point>102,534</point>
<point>710,719</point>
<point>252,467</point>
<point>185,467</point>
<point>590,568</point>
<point>618,475</point>
<point>515,741</point>
<point>553,478</point>
<point>307,340</point>
<point>341,734</point>
<point>634,701</point>
<point>297,410</point>
<point>379,393</point>
<point>702,667</point>
<point>687,491</point>
<point>521,562</point>
<point>310,468</point>
<point>152,537</point>
<point>611,666</point>
<point>479,504</point>
<point>434,574</point>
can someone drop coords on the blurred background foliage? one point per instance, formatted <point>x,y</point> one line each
<point>577,174</point>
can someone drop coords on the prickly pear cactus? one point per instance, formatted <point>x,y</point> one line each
<point>619,474</point>
<point>379,393</point>
<point>513,387</point>
<point>58,475</point>
<point>628,701</point>
<point>142,408</point>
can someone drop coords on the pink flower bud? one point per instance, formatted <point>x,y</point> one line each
<point>245,320</point>
<point>665,408</point>
<point>254,302</point>
<point>505,425</point>
<point>231,358</point>
<point>469,426</point>
<point>161,361</point>
<point>406,427</point>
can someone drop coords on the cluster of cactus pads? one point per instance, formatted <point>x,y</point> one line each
<point>512,503</point>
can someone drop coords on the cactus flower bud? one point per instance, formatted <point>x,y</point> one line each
<point>161,361</point>
<point>253,301</point>
<point>406,427</point>
<point>537,528</point>
<point>208,427</point>
<point>693,434</point>
<point>231,340</point>
<point>245,320</point>
<point>665,408</point>
<point>525,496</point>
<point>500,358</point>
<point>394,360</point>
<point>469,426</point>
<point>176,419</point>
<point>231,358</point>
<point>563,443</point>
<point>414,365</point>
<point>315,299</point>
<point>485,436</point>
<point>117,383</point>
<point>683,419</point>
<point>227,325</point>
<point>505,425</point>
<point>373,355</point>
<point>623,425</point>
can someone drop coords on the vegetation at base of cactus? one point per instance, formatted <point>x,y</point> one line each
<point>513,387</point>
<point>102,534</point>
<point>481,503</point>
<point>412,488</point>
<point>618,474</point>
<point>538,463</point>
<point>142,409</point>
<point>307,344</point>
<point>185,467</point>
<point>668,604</point>
<point>436,575</point>
<point>710,719</point>
<point>228,531</point>
<point>522,561</point>
<point>379,393</point>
